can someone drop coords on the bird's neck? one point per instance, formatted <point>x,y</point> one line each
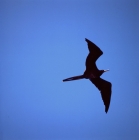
<point>101,72</point>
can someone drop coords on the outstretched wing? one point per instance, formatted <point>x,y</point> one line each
<point>94,54</point>
<point>94,50</point>
<point>105,90</point>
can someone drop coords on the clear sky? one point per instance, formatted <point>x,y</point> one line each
<point>42,43</point>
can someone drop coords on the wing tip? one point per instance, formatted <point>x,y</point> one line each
<point>106,109</point>
<point>87,40</point>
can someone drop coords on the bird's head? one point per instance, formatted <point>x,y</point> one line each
<point>102,71</point>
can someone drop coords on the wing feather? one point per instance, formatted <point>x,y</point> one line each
<point>105,90</point>
<point>94,50</point>
<point>94,54</point>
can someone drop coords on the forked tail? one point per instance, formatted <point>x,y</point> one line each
<point>74,78</point>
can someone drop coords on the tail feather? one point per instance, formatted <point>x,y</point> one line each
<point>74,78</point>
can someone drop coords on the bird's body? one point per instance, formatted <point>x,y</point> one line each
<point>93,74</point>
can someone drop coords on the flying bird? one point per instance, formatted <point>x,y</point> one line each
<point>93,74</point>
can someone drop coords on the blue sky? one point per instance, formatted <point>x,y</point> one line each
<point>42,43</point>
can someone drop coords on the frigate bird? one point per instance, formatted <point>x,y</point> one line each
<point>93,74</point>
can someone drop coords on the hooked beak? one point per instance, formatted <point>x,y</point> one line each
<point>106,70</point>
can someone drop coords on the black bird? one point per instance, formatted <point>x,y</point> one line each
<point>93,74</point>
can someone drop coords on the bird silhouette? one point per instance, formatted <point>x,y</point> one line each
<point>93,74</point>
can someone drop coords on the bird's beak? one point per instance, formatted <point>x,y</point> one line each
<point>106,70</point>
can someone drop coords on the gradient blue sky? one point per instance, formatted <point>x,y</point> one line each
<point>41,43</point>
